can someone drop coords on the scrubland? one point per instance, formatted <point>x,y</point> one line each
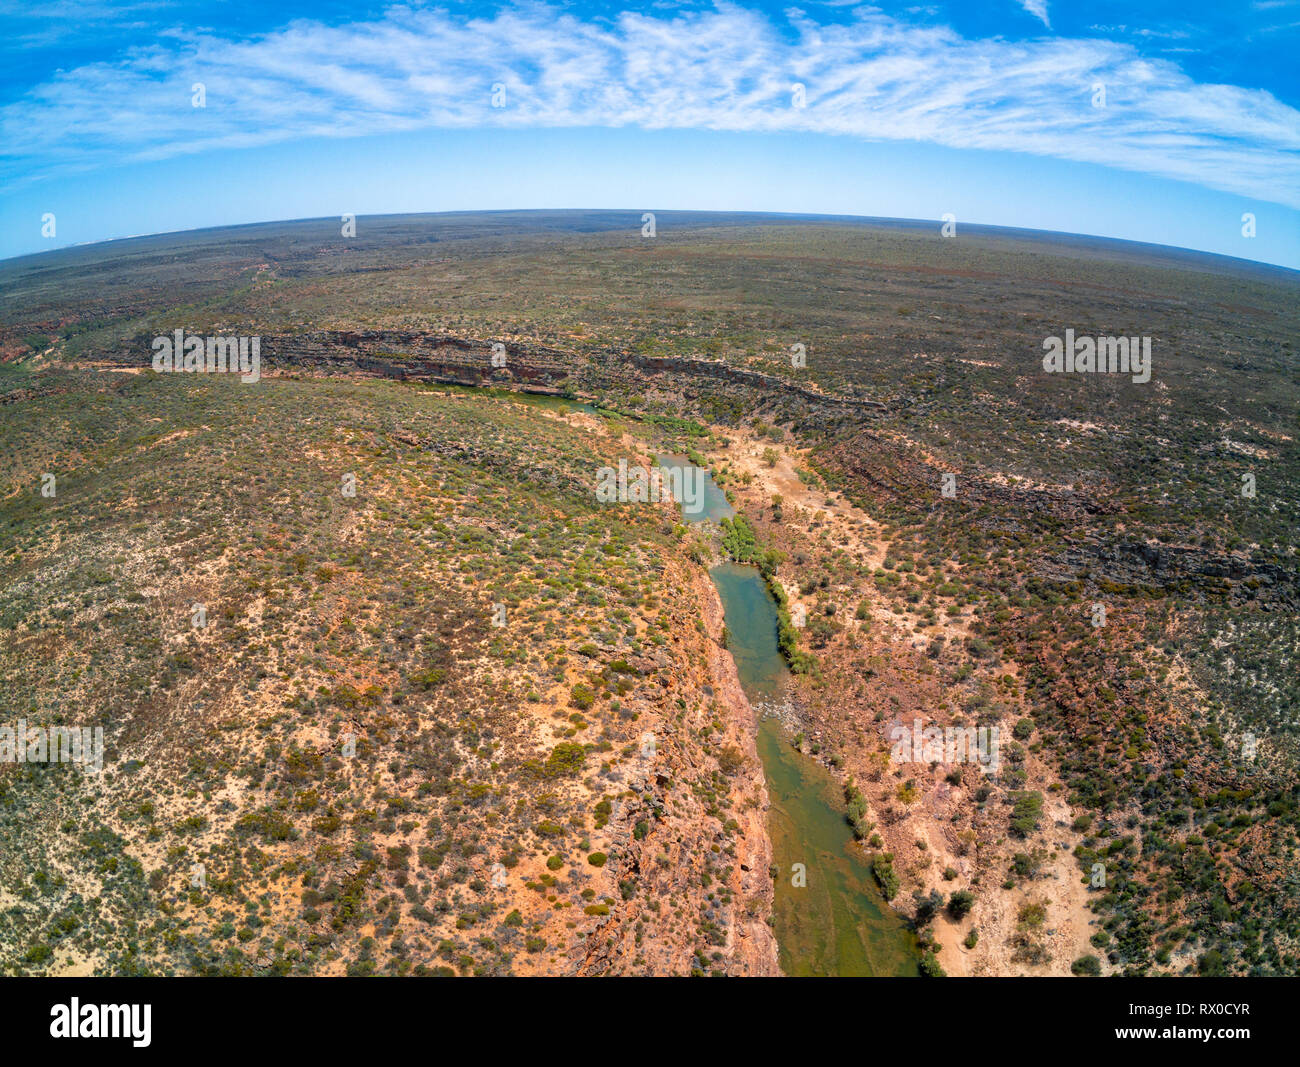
<point>1142,817</point>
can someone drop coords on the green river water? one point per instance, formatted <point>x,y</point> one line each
<point>837,922</point>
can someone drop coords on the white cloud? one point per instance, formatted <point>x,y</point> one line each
<point>1037,8</point>
<point>727,69</point>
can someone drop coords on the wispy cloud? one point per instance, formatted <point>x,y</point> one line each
<point>1037,8</point>
<point>875,77</point>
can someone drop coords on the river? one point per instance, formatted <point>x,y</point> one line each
<point>836,922</point>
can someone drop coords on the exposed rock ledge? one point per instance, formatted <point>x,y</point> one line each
<point>750,948</point>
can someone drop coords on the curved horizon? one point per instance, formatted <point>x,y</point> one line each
<point>633,215</point>
<point>1159,127</point>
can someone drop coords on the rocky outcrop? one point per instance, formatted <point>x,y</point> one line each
<point>399,354</point>
<point>768,383</point>
<point>890,472</point>
<point>1165,566</point>
<point>451,360</point>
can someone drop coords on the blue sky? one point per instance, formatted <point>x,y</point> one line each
<point>1152,121</point>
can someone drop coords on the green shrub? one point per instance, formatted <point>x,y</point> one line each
<point>429,678</point>
<point>882,867</point>
<point>930,967</point>
<point>1025,812</point>
<point>38,954</point>
<point>565,759</point>
<point>960,903</point>
<point>1086,966</point>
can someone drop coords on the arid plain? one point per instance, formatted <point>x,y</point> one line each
<point>385,689</point>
